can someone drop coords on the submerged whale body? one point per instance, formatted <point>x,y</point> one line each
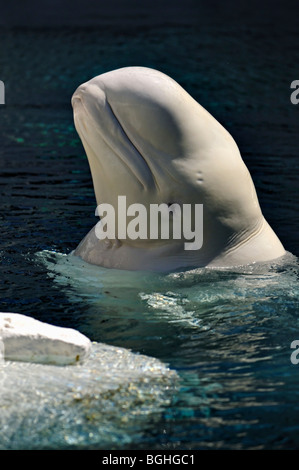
<point>147,139</point>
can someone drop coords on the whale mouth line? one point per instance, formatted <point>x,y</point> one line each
<point>134,145</point>
<point>129,153</point>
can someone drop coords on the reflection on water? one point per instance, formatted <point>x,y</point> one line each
<point>227,333</point>
<point>105,401</point>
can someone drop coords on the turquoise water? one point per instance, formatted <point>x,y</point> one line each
<point>227,334</point>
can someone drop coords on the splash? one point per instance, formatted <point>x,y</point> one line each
<point>104,403</point>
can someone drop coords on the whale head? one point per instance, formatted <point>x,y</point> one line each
<point>147,139</point>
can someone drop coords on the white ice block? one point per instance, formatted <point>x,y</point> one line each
<point>25,339</point>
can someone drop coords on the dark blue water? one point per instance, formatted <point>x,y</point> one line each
<point>227,334</point>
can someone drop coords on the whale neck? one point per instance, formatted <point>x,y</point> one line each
<point>258,246</point>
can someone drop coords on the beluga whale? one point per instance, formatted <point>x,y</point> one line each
<point>151,145</point>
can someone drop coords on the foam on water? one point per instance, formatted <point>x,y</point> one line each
<point>188,298</point>
<point>227,333</point>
